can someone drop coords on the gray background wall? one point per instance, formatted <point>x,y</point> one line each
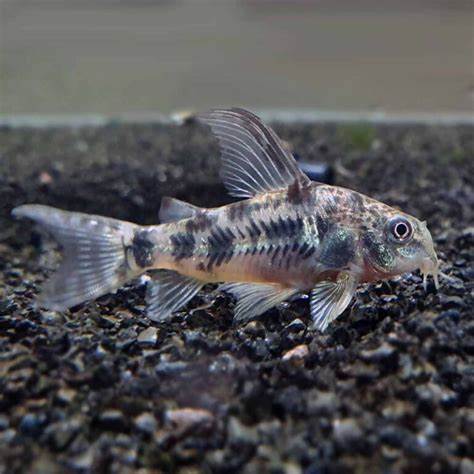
<point>133,56</point>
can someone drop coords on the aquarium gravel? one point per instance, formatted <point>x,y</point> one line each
<point>387,388</point>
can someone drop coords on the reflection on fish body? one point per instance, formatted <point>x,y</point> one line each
<point>288,235</point>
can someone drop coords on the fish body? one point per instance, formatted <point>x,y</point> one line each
<point>288,235</point>
<point>281,237</point>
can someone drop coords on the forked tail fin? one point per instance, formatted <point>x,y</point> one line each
<point>94,254</point>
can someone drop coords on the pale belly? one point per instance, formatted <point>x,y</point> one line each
<point>289,271</point>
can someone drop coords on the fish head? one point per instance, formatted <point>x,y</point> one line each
<point>399,243</point>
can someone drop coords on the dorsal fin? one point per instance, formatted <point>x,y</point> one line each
<point>254,160</point>
<point>173,209</point>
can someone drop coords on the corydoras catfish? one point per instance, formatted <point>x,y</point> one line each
<point>289,235</point>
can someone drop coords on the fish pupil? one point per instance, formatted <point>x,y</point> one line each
<point>401,230</point>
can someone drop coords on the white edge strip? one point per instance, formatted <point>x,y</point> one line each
<point>303,116</point>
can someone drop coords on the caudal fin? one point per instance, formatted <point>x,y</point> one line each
<point>94,254</point>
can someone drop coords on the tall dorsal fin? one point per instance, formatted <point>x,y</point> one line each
<point>254,160</point>
<point>173,209</point>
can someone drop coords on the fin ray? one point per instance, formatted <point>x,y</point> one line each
<point>167,292</point>
<point>329,299</point>
<point>254,299</point>
<point>93,255</point>
<point>254,160</point>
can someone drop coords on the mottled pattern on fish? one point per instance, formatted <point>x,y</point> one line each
<point>277,237</point>
<point>288,235</point>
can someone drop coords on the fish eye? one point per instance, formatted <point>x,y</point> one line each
<point>400,229</point>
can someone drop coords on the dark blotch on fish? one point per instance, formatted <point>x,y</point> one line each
<point>306,250</point>
<point>220,246</point>
<point>240,210</point>
<point>298,193</point>
<point>220,237</point>
<point>142,249</point>
<point>357,203</point>
<point>338,248</point>
<point>217,257</point>
<point>283,228</point>
<point>378,251</point>
<point>183,245</point>
<point>201,222</point>
<point>322,226</point>
<point>253,230</point>
<point>236,211</point>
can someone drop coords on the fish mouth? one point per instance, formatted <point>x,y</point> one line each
<point>430,266</point>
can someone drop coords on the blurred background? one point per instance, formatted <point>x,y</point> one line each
<point>112,57</point>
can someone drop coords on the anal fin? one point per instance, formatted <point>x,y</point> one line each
<point>167,292</point>
<point>330,298</point>
<point>254,299</point>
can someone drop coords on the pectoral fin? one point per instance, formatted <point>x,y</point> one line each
<point>330,298</point>
<point>167,292</point>
<point>254,299</point>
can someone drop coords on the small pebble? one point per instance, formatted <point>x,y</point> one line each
<point>239,434</point>
<point>449,314</point>
<point>254,328</point>
<point>383,352</point>
<point>83,462</point>
<point>66,395</point>
<point>148,337</point>
<point>186,418</point>
<point>451,301</point>
<point>112,420</point>
<point>346,431</point>
<point>146,422</point>
<point>45,178</point>
<point>60,434</point>
<point>298,352</point>
<point>7,436</point>
<point>51,317</point>
<point>32,424</point>
<point>4,423</point>
<point>296,325</point>
<point>466,466</point>
<point>171,368</point>
<point>323,403</point>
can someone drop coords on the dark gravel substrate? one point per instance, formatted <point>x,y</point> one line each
<point>388,388</point>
